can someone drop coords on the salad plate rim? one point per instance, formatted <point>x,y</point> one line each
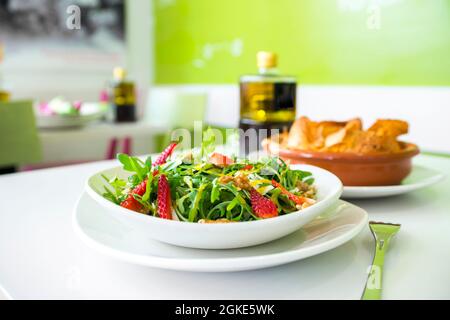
<point>243,263</point>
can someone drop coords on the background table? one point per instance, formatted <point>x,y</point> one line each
<point>91,142</point>
<point>40,256</point>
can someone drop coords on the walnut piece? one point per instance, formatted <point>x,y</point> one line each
<point>223,220</point>
<point>240,181</point>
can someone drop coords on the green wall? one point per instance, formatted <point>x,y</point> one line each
<point>397,42</point>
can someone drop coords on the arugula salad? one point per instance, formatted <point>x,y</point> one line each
<point>208,187</point>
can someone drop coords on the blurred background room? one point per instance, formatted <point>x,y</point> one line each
<point>83,79</point>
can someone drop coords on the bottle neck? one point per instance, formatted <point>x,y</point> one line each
<point>1,76</point>
<point>118,79</point>
<point>268,71</point>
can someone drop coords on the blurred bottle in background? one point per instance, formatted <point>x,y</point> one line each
<point>267,101</point>
<point>123,97</point>
<point>4,94</point>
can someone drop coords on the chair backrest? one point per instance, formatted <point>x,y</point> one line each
<point>19,140</point>
<point>175,109</point>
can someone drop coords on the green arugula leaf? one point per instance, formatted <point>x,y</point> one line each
<point>215,192</point>
<point>148,187</point>
<point>194,210</point>
<point>148,163</point>
<point>232,204</point>
<point>108,194</point>
<point>133,164</point>
<point>124,159</point>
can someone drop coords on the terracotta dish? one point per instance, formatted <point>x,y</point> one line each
<point>352,168</point>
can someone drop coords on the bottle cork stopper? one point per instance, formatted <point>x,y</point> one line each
<point>119,73</point>
<point>266,59</point>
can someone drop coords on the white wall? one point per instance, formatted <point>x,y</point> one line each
<point>139,35</point>
<point>427,109</point>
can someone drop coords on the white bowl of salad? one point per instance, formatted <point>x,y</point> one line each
<point>208,200</point>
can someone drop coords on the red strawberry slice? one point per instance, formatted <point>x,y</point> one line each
<point>291,196</point>
<point>262,206</point>
<point>140,188</point>
<point>163,198</point>
<point>220,160</point>
<point>165,154</point>
<point>131,203</point>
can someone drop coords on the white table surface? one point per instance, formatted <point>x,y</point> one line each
<point>41,258</point>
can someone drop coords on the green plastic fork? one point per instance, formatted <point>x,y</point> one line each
<point>382,232</point>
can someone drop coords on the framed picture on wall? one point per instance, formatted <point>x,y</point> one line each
<point>61,47</point>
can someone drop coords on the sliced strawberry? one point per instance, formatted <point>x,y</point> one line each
<point>262,206</point>
<point>290,195</point>
<point>165,154</point>
<point>130,202</point>
<point>163,199</point>
<point>140,188</point>
<point>220,160</point>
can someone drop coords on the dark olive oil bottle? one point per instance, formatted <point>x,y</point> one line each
<point>267,102</point>
<point>123,97</point>
<point>4,95</point>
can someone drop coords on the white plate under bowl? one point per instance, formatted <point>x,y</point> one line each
<point>419,178</point>
<point>220,235</point>
<point>339,224</point>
